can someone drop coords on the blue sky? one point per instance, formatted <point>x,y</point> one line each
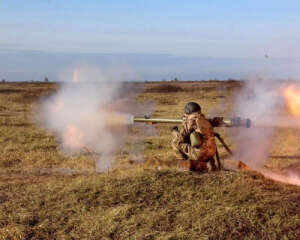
<point>216,28</point>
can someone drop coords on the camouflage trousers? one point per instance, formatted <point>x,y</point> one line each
<point>193,158</point>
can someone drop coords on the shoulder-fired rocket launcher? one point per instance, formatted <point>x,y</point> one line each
<point>216,121</point>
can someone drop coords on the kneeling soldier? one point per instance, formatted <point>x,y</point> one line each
<point>195,144</point>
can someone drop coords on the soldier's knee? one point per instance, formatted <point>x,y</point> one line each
<point>199,166</point>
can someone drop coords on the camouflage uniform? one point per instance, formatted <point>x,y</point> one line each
<point>195,158</point>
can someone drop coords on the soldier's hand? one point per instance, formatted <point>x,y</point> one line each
<point>216,121</point>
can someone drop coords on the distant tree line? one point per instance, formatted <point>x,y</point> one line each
<point>46,80</point>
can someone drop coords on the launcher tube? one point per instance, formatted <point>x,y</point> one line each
<point>156,120</point>
<point>216,121</point>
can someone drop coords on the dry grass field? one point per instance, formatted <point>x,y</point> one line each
<point>45,194</point>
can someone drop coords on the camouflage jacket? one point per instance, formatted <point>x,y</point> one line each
<point>198,123</point>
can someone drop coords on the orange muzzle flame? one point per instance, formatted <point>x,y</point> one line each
<point>73,137</point>
<point>292,98</point>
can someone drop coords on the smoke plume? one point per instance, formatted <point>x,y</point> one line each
<point>91,113</point>
<point>264,102</point>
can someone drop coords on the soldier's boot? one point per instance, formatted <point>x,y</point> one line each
<point>212,164</point>
<point>199,166</point>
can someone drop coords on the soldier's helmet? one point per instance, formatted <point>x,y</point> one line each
<point>192,107</point>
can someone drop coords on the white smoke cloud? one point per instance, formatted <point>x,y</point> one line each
<point>257,101</point>
<point>90,113</point>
